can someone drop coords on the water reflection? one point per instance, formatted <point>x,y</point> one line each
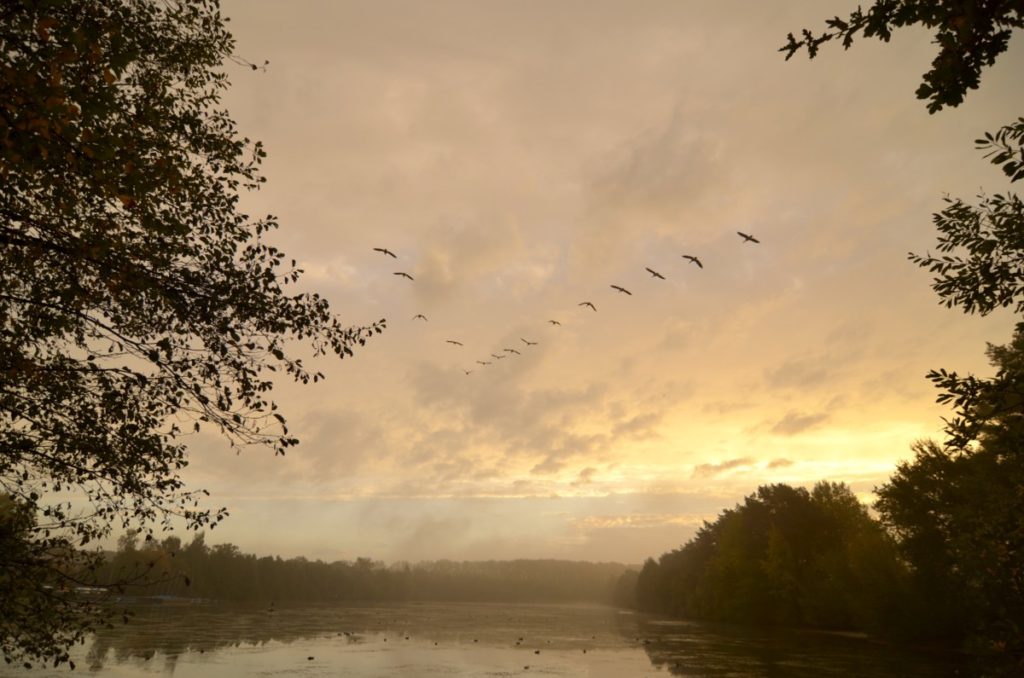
<point>476,639</point>
<point>699,649</point>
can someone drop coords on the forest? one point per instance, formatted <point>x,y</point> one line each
<point>223,572</point>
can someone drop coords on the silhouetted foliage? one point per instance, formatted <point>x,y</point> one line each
<point>956,511</point>
<point>137,301</point>
<point>970,36</point>
<point>785,556</point>
<point>981,262</point>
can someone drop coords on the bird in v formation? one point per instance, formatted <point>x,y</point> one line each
<point>654,274</point>
<point>618,288</point>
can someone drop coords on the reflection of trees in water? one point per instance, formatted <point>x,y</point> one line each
<point>166,632</point>
<point>172,629</point>
<point>697,649</point>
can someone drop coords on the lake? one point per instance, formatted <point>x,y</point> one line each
<point>438,639</point>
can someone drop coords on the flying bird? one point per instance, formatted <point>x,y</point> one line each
<point>654,274</point>
<point>404,275</point>
<point>694,260</point>
<point>497,357</point>
<point>511,350</point>
<point>419,316</point>
<point>453,342</point>
<point>747,238</point>
<point>468,372</point>
<point>528,343</point>
<point>586,303</point>
<point>554,322</point>
<point>621,289</point>
<point>481,362</point>
<point>385,250</point>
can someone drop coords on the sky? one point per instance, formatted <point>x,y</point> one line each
<point>521,157</point>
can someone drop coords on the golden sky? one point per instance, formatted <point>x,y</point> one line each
<point>519,158</point>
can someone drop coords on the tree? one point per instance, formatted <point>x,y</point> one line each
<point>956,513</point>
<point>785,556</point>
<point>970,36</point>
<point>137,301</point>
<point>955,509</point>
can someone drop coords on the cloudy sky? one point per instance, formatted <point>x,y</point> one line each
<point>519,158</point>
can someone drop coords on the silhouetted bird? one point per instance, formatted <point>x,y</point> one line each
<point>385,250</point>
<point>654,274</point>
<point>453,342</point>
<point>528,343</point>
<point>497,357</point>
<point>481,362</point>
<point>747,238</point>
<point>693,260</point>
<point>468,372</point>
<point>621,289</point>
<point>404,275</point>
<point>420,316</point>
<point>587,303</point>
<point>554,322</point>
<point>511,350</point>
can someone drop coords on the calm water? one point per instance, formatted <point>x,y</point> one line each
<point>468,640</point>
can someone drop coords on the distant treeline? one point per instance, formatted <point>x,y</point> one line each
<point>223,572</point>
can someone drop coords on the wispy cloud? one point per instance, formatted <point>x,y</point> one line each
<point>717,469</point>
<point>797,422</point>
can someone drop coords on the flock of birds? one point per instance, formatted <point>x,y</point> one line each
<point>506,351</point>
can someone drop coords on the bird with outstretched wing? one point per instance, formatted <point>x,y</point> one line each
<point>654,274</point>
<point>693,260</point>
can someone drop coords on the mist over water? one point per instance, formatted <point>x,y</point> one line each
<point>468,640</point>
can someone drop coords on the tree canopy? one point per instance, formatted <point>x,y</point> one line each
<point>955,508</point>
<point>138,301</point>
<point>970,36</point>
<point>785,556</point>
